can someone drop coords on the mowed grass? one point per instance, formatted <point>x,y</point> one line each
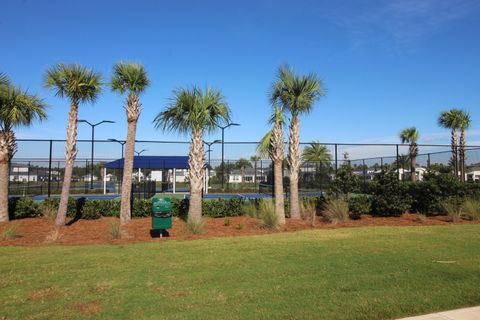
<point>357,273</point>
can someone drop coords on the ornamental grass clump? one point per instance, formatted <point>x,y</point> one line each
<point>453,208</point>
<point>114,230</point>
<point>11,232</point>
<point>308,210</point>
<point>250,209</point>
<point>266,212</point>
<point>336,210</point>
<point>195,226</point>
<point>471,209</point>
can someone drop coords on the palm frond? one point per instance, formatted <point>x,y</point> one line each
<point>4,80</point>
<point>74,81</point>
<point>316,152</point>
<point>18,108</point>
<point>409,135</point>
<point>128,76</point>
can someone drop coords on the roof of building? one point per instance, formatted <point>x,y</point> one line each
<point>152,162</point>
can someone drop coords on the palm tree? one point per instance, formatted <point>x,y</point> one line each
<point>195,111</point>
<point>464,123</point>
<point>451,120</point>
<point>79,85</point>
<point>242,164</point>
<point>273,144</point>
<point>17,108</point>
<point>410,135</point>
<point>296,94</point>
<point>255,158</point>
<point>131,78</point>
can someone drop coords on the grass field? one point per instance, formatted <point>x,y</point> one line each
<point>356,273</point>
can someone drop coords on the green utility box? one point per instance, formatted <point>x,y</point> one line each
<point>161,216</point>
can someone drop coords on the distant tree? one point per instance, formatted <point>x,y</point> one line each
<point>17,109</point>
<point>133,79</point>
<point>255,159</point>
<point>194,111</point>
<point>451,119</point>
<point>464,123</point>
<point>346,181</point>
<point>79,85</point>
<point>410,135</point>
<point>242,164</point>
<point>296,94</point>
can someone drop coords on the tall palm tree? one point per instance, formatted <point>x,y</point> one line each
<point>17,108</point>
<point>295,94</point>
<point>242,164</point>
<point>410,136</point>
<point>194,110</point>
<point>133,79</point>
<point>464,123</point>
<point>451,120</point>
<point>273,144</point>
<point>80,85</point>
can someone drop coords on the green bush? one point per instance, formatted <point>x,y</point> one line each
<point>141,208</point>
<point>23,208</point>
<point>92,210</point>
<point>50,205</point>
<point>359,205</point>
<point>216,208</point>
<point>390,196</point>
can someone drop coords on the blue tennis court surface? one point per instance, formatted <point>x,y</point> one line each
<point>255,195</point>
<point>86,196</point>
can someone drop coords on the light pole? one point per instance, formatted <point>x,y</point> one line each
<point>121,142</point>
<point>223,147</point>
<point>138,154</point>
<point>93,125</point>
<point>209,151</point>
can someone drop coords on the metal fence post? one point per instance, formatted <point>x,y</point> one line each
<point>428,160</point>
<point>336,160</point>
<point>49,168</point>
<point>398,163</point>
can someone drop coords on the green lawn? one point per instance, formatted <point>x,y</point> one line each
<point>357,273</point>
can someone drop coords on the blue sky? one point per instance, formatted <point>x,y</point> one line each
<point>386,65</point>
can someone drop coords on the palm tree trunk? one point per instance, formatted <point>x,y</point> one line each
<point>70,154</point>
<point>454,151</point>
<point>4,175</point>
<point>276,151</point>
<point>462,155</point>
<point>294,163</point>
<point>133,113</point>
<point>195,172</point>
<point>413,163</point>
<point>278,185</point>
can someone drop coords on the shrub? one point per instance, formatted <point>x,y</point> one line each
<point>50,205</point>
<point>359,205</point>
<point>195,226</point>
<point>114,230</point>
<point>453,208</point>
<point>11,232</point>
<point>391,197</point>
<point>222,207</point>
<point>266,212</point>
<point>471,209</point>
<point>92,209</point>
<point>227,221</point>
<point>23,208</point>
<point>336,210</point>
<point>346,181</point>
<point>240,226</point>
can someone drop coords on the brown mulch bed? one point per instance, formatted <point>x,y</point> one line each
<point>42,231</point>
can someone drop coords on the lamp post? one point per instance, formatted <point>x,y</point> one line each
<point>223,147</point>
<point>93,125</point>
<point>138,154</point>
<point>209,151</point>
<point>121,142</point>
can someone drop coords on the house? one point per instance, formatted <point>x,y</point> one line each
<point>88,178</point>
<point>250,176</point>
<point>21,173</point>
<point>473,175</point>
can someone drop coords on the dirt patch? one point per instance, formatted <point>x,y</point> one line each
<point>46,293</point>
<point>88,308</point>
<point>42,231</point>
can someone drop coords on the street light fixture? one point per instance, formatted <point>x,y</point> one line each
<point>223,147</point>
<point>93,125</point>
<point>121,142</point>
<point>209,144</point>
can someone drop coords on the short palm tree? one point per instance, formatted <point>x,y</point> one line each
<point>410,136</point>
<point>296,94</point>
<point>318,154</point>
<point>464,123</point>
<point>79,85</point>
<point>194,111</point>
<point>133,79</point>
<point>273,144</point>
<point>17,108</point>
<point>242,164</point>
<point>451,120</point>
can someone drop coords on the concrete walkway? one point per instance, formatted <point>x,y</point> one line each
<point>459,314</point>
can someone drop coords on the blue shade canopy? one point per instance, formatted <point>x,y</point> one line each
<point>152,162</point>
